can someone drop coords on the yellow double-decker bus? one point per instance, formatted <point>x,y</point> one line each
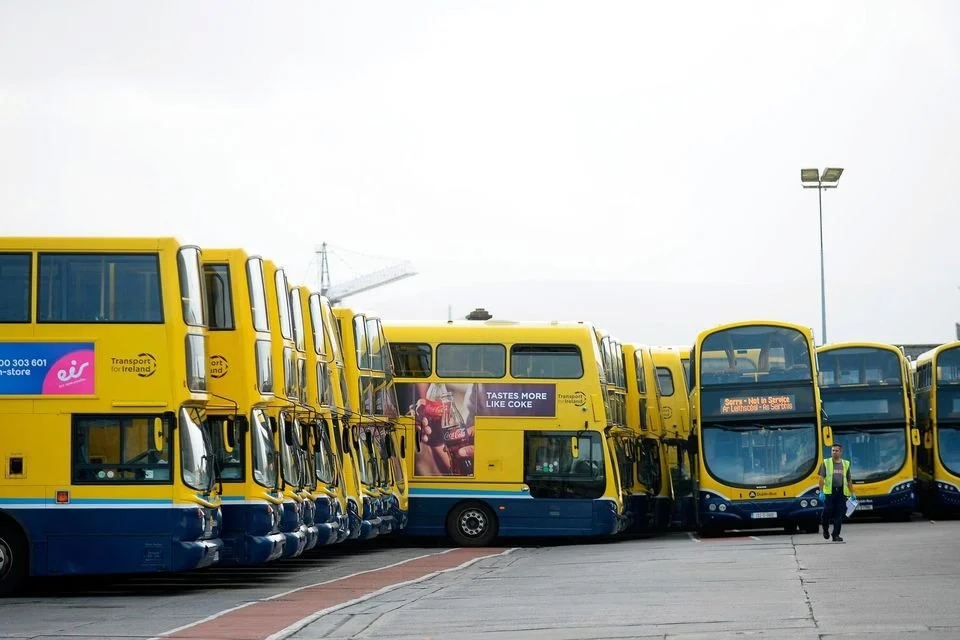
<point>756,427</point>
<point>867,396</point>
<point>648,501</point>
<point>324,468</point>
<point>507,430</point>
<point>241,389</point>
<point>938,417</point>
<point>369,378</point>
<point>675,414</point>
<point>341,412</point>
<point>107,467</point>
<point>297,519</point>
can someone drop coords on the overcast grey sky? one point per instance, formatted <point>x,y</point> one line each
<point>635,164</point>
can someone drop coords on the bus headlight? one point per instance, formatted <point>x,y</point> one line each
<point>804,503</point>
<point>722,507</point>
<point>712,507</point>
<point>813,502</point>
<point>903,486</point>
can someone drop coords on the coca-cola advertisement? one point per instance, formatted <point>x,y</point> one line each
<point>444,413</point>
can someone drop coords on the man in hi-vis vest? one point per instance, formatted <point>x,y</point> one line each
<point>835,486</point>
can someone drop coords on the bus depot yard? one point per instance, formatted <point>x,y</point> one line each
<point>188,416</point>
<point>888,581</point>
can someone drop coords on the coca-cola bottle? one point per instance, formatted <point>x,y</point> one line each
<point>431,411</point>
<point>455,436</point>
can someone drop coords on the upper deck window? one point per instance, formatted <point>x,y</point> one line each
<point>360,342</point>
<point>99,287</point>
<point>858,366</point>
<point>375,344</point>
<point>316,325</point>
<point>641,381</point>
<point>412,360</point>
<point>948,366</point>
<point>665,381</point>
<point>471,360</point>
<point>755,354</point>
<point>15,287</point>
<point>283,304</point>
<point>561,361</point>
<point>191,286</point>
<point>298,331</point>
<point>219,298</point>
<point>258,295</point>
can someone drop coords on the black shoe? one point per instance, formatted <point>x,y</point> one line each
<point>826,533</point>
<point>837,539</point>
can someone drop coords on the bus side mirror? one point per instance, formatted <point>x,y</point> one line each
<point>693,444</point>
<point>345,438</point>
<point>915,436</point>
<point>403,447</point>
<point>827,437</point>
<point>575,446</point>
<point>158,434</point>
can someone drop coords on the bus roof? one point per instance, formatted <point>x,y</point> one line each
<point>87,243</point>
<point>936,351</point>
<point>860,345</point>
<point>224,253</point>
<point>484,331</point>
<point>807,331</point>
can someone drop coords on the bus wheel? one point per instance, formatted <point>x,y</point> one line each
<point>13,559</point>
<point>471,524</point>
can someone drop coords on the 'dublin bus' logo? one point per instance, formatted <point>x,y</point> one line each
<point>71,375</point>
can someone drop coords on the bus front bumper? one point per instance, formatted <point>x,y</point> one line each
<point>294,542</point>
<point>718,513</point>
<point>196,554</point>
<point>370,529</point>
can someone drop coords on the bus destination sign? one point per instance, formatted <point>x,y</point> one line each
<point>758,404</point>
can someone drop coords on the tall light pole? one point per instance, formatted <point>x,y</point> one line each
<point>813,179</point>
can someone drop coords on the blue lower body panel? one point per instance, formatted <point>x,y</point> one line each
<point>758,514</point>
<point>517,514</point>
<point>902,502</point>
<point>86,537</point>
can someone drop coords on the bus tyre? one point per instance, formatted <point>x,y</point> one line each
<point>471,524</point>
<point>13,559</point>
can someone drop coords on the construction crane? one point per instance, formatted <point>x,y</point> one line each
<point>372,280</point>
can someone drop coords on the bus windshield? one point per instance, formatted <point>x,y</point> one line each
<point>751,455</point>
<point>853,366</point>
<point>367,465</point>
<point>754,354</point>
<point>264,451</point>
<point>875,454</point>
<point>948,442</point>
<point>195,452</point>
<point>323,461</point>
<point>290,463</point>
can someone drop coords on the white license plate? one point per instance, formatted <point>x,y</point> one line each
<point>758,515</point>
<point>864,507</point>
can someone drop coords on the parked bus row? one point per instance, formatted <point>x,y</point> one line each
<point>166,408</point>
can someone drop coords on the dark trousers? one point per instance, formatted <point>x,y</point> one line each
<point>834,510</point>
